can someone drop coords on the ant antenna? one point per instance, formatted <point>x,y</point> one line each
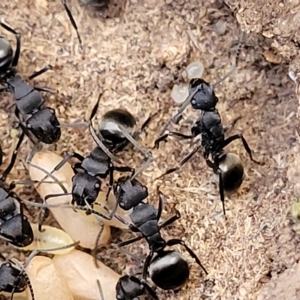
<point>64,2</point>
<point>238,52</point>
<point>100,290</point>
<point>95,136</point>
<point>55,179</point>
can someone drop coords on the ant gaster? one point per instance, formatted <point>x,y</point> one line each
<point>33,117</point>
<point>209,126</point>
<point>168,269</point>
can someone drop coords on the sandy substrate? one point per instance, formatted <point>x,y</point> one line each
<point>136,57</point>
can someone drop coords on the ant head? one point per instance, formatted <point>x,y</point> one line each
<point>11,279</point>
<point>129,287</point>
<point>169,270</point>
<point>7,207</point>
<point>113,123</point>
<point>44,126</point>
<point>129,192</point>
<point>232,171</point>
<point>203,95</point>
<point>17,230</point>
<point>85,188</point>
<point>6,55</point>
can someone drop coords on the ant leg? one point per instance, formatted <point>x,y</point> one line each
<point>149,289</point>
<point>245,144</point>
<point>45,89</point>
<point>111,181</point>
<point>230,126</point>
<point>147,154</point>
<point>55,180</point>
<point>59,166</point>
<point>23,127</point>
<point>218,171</point>
<point>128,242</point>
<point>161,200</point>
<point>181,163</point>
<point>174,242</point>
<point>146,265</point>
<point>131,226</point>
<point>60,248</point>
<point>13,158</point>
<point>96,138</point>
<point>170,220</point>
<point>44,214</point>
<point>171,133</point>
<point>137,133</point>
<point>18,41</point>
<point>93,253</point>
<point>40,72</point>
<point>64,2</point>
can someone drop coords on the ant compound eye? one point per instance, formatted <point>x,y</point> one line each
<point>97,186</point>
<point>193,102</point>
<point>121,204</point>
<point>52,111</point>
<point>28,126</point>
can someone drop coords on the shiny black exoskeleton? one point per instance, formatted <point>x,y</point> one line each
<point>14,225</point>
<point>35,119</point>
<point>129,192</point>
<point>213,141</point>
<point>168,269</point>
<point>130,288</point>
<point>116,129</point>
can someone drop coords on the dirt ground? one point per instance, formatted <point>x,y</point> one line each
<point>136,56</point>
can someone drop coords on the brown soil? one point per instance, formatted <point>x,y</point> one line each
<point>136,56</point>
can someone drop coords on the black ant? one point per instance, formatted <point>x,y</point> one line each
<point>168,269</point>
<point>228,166</point>
<point>116,130</point>
<point>32,116</point>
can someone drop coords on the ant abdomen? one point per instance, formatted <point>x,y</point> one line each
<point>232,171</point>
<point>6,54</point>
<point>169,271</point>
<point>110,122</point>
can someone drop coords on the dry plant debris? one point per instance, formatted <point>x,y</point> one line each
<point>137,57</point>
